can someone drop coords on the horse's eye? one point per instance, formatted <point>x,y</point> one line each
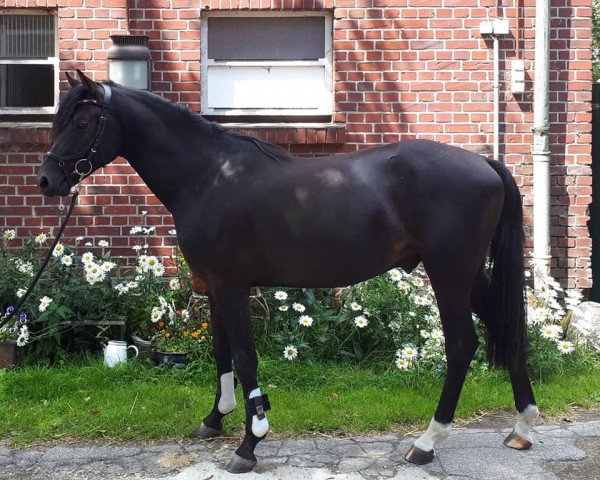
<point>82,124</point>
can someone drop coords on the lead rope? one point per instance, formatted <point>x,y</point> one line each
<point>23,299</point>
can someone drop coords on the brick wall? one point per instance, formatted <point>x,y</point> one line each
<point>403,69</point>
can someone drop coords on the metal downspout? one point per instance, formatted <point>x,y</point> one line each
<point>541,148</point>
<point>496,88</point>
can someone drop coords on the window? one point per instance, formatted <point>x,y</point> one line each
<point>265,65</point>
<point>28,63</point>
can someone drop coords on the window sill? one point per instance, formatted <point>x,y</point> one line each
<point>293,133</point>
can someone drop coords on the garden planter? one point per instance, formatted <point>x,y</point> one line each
<point>173,358</point>
<point>146,348</point>
<point>8,353</point>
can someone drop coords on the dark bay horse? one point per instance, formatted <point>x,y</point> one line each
<point>248,213</point>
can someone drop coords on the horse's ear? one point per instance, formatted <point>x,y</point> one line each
<point>72,81</point>
<point>93,87</point>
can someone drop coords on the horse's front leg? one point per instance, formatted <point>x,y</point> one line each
<point>231,304</point>
<point>225,397</point>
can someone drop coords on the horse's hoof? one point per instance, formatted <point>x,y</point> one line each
<point>240,464</point>
<point>418,457</point>
<point>205,432</point>
<point>517,442</point>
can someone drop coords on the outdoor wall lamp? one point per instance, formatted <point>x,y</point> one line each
<point>129,61</point>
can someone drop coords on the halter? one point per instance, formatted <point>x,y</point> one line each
<point>87,153</point>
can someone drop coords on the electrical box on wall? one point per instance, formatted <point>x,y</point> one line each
<point>517,77</point>
<point>498,26</point>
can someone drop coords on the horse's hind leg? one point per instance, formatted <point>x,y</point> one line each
<point>452,293</point>
<point>225,397</point>
<point>231,304</point>
<point>520,437</point>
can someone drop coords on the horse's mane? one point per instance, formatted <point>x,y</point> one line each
<point>68,104</point>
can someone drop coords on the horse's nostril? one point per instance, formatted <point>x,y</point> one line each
<point>43,181</point>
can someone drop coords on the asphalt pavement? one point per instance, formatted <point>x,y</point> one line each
<point>565,449</point>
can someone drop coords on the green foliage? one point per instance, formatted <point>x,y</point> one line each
<point>137,401</point>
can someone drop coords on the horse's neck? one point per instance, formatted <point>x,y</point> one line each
<point>168,149</point>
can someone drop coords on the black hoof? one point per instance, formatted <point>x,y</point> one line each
<point>517,442</point>
<point>240,465</point>
<point>206,432</point>
<point>418,457</point>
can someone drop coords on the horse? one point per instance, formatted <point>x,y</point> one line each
<point>248,213</point>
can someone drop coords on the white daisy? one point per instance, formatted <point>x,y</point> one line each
<point>299,307</point>
<point>22,340</point>
<point>565,347</point>
<point>409,352</point>
<point>402,363</point>
<point>185,315</point>
<point>437,334</point>
<point>158,270</point>
<point>403,286</point>
<point>121,288</point>
<point>425,334</point>
<point>361,321</point>
<point>89,244</point>
<point>66,260</point>
<point>26,267</point>
<point>417,281</point>
<point>20,292</point>
<point>174,284</point>
<point>45,301</point>
<point>306,321</point>
<point>108,266</point>
<point>156,314</point>
<point>137,248</point>
<point>87,257</point>
<point>355,307</point>
<point>395,275</point>
<point>10,234</point>
<point>103,243</point>
<point>551,331</point>
<point>290,352</point>
<point>135,230</point>
<point>420,300</point>
<point>280,295</point>
<point>41,238</point>
<point>58,250</point>
<point>132,284</point>
<point>283,308</point>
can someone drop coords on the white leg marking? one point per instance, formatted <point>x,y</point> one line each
<point>435,433</point>
<point>227,401</point>
<point>259,427</point>
<point>525,420</point>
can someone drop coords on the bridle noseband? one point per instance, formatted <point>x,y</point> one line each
<point>87,153</point>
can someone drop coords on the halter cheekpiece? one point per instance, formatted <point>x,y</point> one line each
<point>83,166</point>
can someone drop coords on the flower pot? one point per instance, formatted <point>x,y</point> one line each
<point>173,358</point>
<point>147,348</point>
<point>8,353</point>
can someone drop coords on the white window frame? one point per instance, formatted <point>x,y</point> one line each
<point>326,108</point>
<point>34,61</point>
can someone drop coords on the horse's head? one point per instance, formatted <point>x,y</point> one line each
<point>86,137</point>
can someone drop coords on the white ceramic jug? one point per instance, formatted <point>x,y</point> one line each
<point>116,352</point>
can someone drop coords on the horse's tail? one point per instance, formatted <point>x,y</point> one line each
<point>507,326</point>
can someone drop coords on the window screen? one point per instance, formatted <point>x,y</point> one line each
<point>28,61</point>
<point>266,38</point>
<point>27,36</point>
